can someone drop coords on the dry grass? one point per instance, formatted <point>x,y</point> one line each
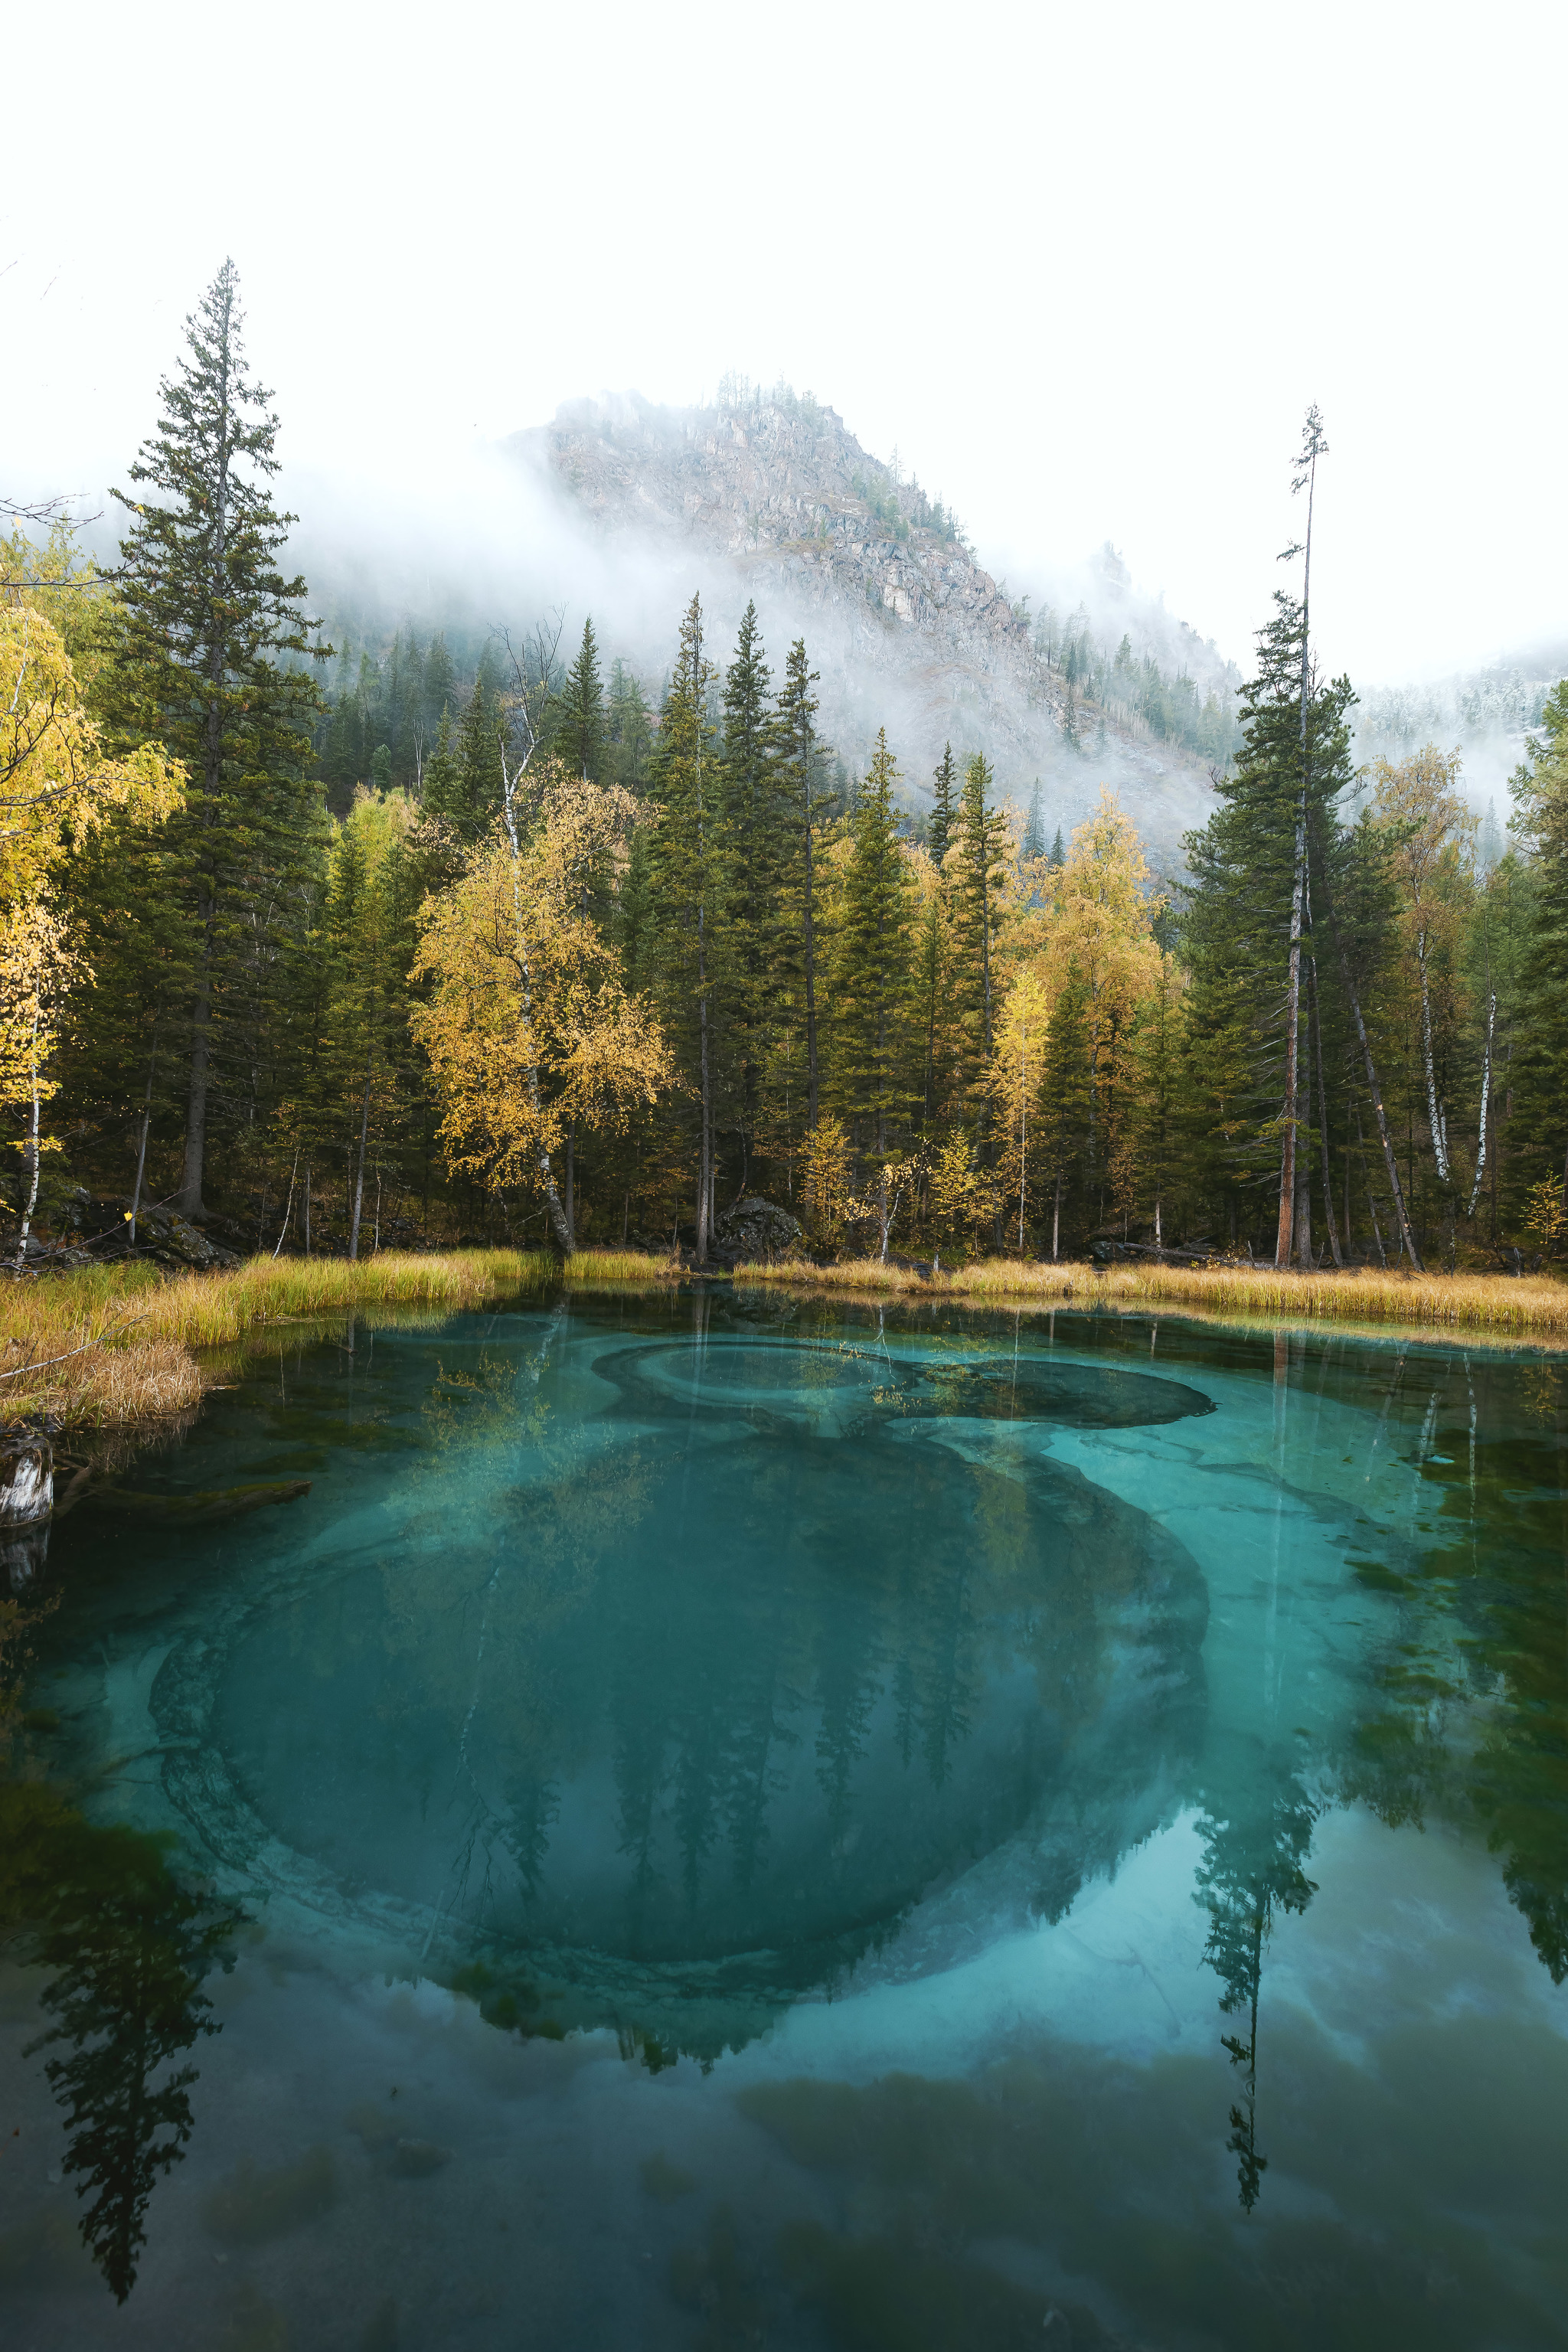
<point>124,1337</point>
<point>618,1270</point>
<point>1478,1306</point>
<point>127,1339</point>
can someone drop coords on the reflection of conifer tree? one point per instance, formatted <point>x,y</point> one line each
<point>751,1778</point>
<point>535,1805</point>
<point>640,1712</point>
<point>847,1693</point>
<point>946,1693</point>
<point>699,1762</point>
<point>1252,1870</point>
<point>129,1947</point>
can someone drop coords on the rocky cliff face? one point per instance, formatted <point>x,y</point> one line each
<point>771,497</point>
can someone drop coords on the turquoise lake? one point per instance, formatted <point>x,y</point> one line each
<point>722,1821</point>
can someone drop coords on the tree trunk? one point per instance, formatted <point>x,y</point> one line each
<point>1371,1196</point>
<point>359,1180</point>
<point>705,1106</point>
<point>810,976</point>
<point>1373,1087</point>
<point>1486,1098</point>
<point>1435,1118</point>
<point>33,1153</point>
<point>288,1204</point>
<point>1322,1103</point>
<point>189,1198</point>
<point>1293,1018</point>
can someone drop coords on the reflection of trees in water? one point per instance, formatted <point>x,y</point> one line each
<point>127,1947</point>
<point>1484,1618</point>
<point>1251,1872</point>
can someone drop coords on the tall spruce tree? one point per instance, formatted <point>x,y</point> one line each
<point>1033,844</point>
<point>981,837</point>
<point>206,613</point>
<point>577,732</point>
<point>872,968</point>
<point>1540,793</point>
<point>1314,447</point>
<point>801,796</point>
<point>749,867</point>
<point>944,806</point>
<point>685,883</point>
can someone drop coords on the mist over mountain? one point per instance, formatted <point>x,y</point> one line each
<point>620,508</point>
<point>768,496</point>
<point>1485,714</point>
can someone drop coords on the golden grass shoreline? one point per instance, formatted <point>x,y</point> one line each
<point>1497,1307</point>
<point>116,1346</point>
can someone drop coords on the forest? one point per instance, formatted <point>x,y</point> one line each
<point>491,942</point>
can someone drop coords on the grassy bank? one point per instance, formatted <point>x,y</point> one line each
<point>122,1345</point>
<point>1480,1306</point>
<point>119,1344</point>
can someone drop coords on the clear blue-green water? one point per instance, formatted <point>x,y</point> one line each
<point>716,1824</point>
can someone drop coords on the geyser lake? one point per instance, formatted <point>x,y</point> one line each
<point>724,1822</point>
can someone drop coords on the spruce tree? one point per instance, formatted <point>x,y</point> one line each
<point>944,809</point>
<point>578,730</point>
<point>686,885</point>
<point>750,862</point>
<point>802,798</point>
<point>1063,1102</point>
<point>630,732</point>
<point>1540,792</point>
<point>476,789</point>
<point>207,613</point>
<point>872,966</point>
<point>1034,841</point>
<point>440,685</point>
<point>981,839</point>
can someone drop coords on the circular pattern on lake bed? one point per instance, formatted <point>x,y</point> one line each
<point>835,1385</point>
<point>731,1709</point>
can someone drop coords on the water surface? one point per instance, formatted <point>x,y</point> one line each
<point>720,1823</point>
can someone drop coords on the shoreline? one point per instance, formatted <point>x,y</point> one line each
<point>119,1347</point>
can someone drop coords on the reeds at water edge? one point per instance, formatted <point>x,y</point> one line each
<point>106,1347</point>
<point>1498,1306</point>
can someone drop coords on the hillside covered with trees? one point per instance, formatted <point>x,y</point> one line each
<point>499,936</point>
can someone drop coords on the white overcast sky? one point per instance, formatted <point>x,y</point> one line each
<point>1084,265</point>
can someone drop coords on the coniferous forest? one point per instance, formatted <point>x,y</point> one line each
<point>496,940</point>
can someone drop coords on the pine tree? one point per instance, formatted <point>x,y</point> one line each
<point>799,760</point>
<point>687,879</point>
<point>1059,851</point>
<point>872,964</point>
<point>629,730</point>
<point>980,839</point>
<point>577,732</point>
<point>207,612</point>
<point>439,683</point>
<point>475,800</point>
<point>1033,842</point>
<point>944,809</point>
<point>750,865</point>
<point>1063,1100</point>
<point>1540,792</point>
